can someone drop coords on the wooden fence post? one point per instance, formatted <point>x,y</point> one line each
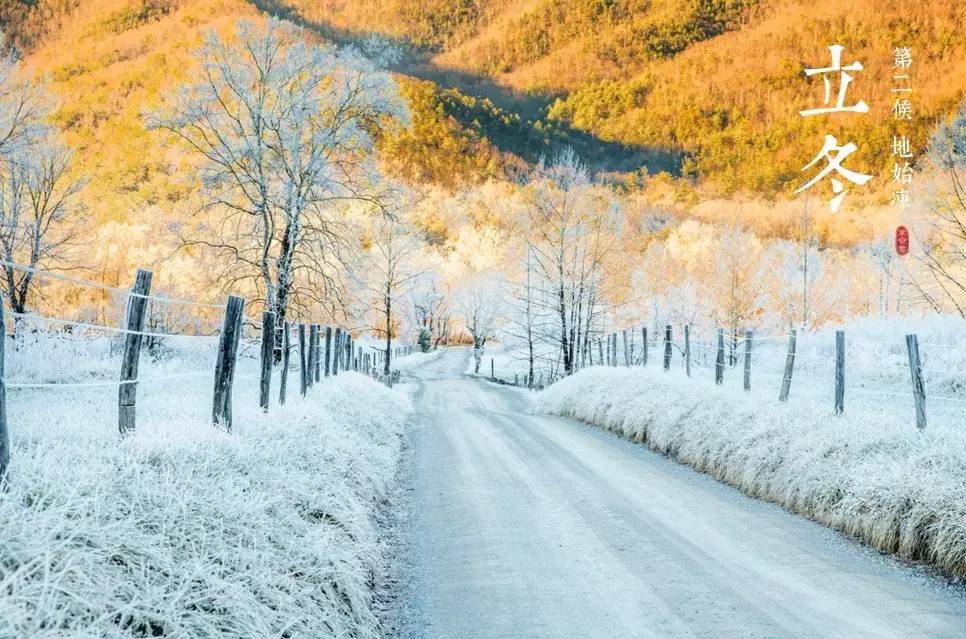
<point>227,359</point>
<point>749,335</point>
<point>719,359</point>
<point>127,392</point>
<point>4,432</point>
<point>328,350</point>
<point>317,370</point>
<point>839,372</point>
<point>667,347</point>
<point>303,373</point>
<point>644,346</point>
<point>311,355</point>
<point>789,367</point>
<point>627,353</point>
<point>286,347</point>
<point>687,349</point>
<point>336,350</point>
<point>600,351</point>
<point>918,387</point>
<point>492,374</point>
<point>268,354</point>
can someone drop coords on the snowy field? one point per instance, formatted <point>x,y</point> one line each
<point>869,472</point>
<point>184,530</point>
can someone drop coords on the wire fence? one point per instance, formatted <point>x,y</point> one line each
<point>821,366</point>
<point>44,347</point>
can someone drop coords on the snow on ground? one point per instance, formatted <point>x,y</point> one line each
<point>869,472</point>
<point>415,360</point>
<point>530,525</point>
<point>185,530</point>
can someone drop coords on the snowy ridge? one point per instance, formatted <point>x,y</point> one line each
<point>866,473</point>
<point>184,530</point>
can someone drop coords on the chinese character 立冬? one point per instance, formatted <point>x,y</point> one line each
<point>859,107</point>
<point>835,164</point>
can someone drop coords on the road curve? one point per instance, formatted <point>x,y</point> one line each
<point>526,525</point>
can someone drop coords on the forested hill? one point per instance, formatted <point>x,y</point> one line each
<point>706,89</point>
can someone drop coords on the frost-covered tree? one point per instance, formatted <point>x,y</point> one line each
<point>284,131</point>
<point>430,305</point>
<point>37,197</point>
<point>24,107</point>
<point>942,236</point>
<point>37,189</point>
<point>480,305</point>
<point>392,265</point>
<point>568,230</point>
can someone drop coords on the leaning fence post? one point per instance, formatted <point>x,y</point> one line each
<point>687,349</point>
<point>918,388</point>
<point>719,359</point>
<point>789,368</point>
<point>268,354</point>
<point>748,337</point>
<point>328,349</point>
<point>839,372</point>
<point>667,347</point>
<point>303,372</point>
<point>286,347</point>
<point>127,392</point>
<point>225,366</point>
<point>4,433</point>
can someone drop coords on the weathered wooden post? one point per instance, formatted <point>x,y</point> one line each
<point>789,367</point>
<point>748,337</point>
<point>268,354</point>
<point>227,359</point>
<point>311,355</point>
<point>644,346</point>
<point>317,370</point>
<point>127,392</point>
<point>286,348</point>
<point>600,350</point>
<point>918,387</point>
<point>687,349</point>
<point>492,374</point>
<point>667,347</point>
<point>328,350</point>
<point>516,379</point>
<point>627,351</point>
<point>839,372</point>
<point>4,431</point>
<point>719,362</point>
<point>303,372</point>
<point>336,350</point>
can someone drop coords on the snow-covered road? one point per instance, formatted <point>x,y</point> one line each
<point>533,526</point>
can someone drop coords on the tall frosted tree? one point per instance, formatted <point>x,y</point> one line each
<point>37,186</point>
<point>284,131</point>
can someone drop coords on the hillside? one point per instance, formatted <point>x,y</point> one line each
<point>709,89</point>
<point>704,89</point>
